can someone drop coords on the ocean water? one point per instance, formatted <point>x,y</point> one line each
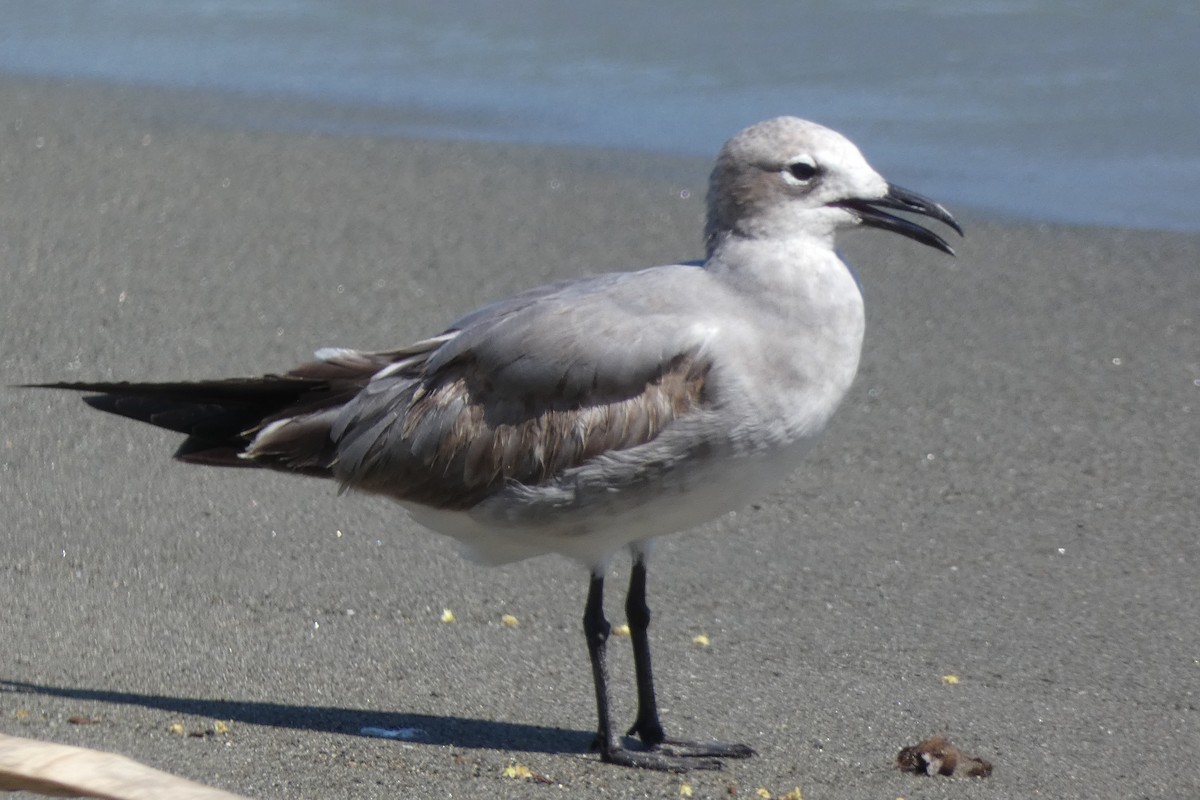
<point>1083,112</point>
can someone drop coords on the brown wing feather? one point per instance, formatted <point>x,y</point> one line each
<point>456,443</point>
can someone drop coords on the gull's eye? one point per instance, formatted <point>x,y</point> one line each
<point>800,171</point>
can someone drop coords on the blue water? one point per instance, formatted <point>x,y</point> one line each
<point>1066,111</point>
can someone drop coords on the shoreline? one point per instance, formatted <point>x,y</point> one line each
<point>232,112</point>
<point>1007,496</point>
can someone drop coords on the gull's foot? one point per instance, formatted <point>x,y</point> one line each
<point>658,759</point>
<point>650,731</point>
<point>675,755</point>
<point>711,749</point>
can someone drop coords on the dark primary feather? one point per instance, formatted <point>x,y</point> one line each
<point>219,416</point>
<point>200,408</point>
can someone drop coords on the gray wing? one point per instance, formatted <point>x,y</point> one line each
<point>526,388</point>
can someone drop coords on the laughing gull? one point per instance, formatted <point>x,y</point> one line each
<point>594,414</point>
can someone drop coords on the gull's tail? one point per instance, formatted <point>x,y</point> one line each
<point>221,418</point>
<point>281,422</point>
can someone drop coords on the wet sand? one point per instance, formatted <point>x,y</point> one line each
<point>1008,496</point>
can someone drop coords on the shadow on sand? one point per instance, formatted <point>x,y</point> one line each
<point>430,729</point>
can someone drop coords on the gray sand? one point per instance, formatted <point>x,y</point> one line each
<point>1008,495</point>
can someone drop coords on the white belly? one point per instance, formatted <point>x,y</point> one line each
<point>593,530</point>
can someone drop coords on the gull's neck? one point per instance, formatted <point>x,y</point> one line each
<point>797,281</point>
<point>775,260</point>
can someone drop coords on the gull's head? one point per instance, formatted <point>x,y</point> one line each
<point>788,176</point>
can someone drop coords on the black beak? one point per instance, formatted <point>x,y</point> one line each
<point>871,213</point>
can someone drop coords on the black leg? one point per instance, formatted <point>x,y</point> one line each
<point>596,629</point>
<point>647,726</point>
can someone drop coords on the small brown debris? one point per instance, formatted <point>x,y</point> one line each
<point>937,756</point>
<point>80,719</point>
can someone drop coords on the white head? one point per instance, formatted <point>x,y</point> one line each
<point>789,176</point>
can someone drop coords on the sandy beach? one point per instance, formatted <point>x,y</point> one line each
<point>996,541</point>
